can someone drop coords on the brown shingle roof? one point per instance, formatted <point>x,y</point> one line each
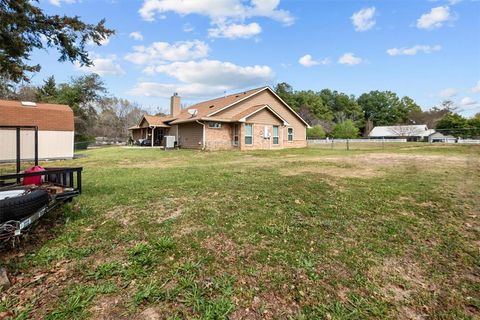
<point>157,120</point>
<point>46,116</point>
<point>206,107</point>
<point>210,107</point>
<point>248,111</point>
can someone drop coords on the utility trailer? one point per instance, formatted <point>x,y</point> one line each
<point>22,205</point>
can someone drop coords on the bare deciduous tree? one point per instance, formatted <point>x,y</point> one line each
<point>407,131</point>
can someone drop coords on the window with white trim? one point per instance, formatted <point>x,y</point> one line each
<point>248,133</point>
<point>275,134</point>
<point>214,125</point>
<point>290,134</point>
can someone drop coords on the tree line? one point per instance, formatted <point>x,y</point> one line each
<point>339,115</point>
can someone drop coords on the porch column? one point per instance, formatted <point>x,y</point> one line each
<point>153,136</point>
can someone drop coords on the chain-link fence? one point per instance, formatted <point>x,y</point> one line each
<point>365,144</point>
<point>356,144</point>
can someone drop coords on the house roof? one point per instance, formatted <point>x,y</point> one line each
<point>242,116</point>
<point>437,134</point>
<point>400,131</point>
<point>156,121</point>
<point>46,116</point>
<point>206,110</point>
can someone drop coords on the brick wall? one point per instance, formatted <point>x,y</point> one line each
<point>219,138</point>
<point>259,141</point>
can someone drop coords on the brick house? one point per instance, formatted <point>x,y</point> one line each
<point>254,119</point>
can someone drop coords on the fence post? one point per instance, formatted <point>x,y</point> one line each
<point>383,143</point>
<point>332,142</point>
<point>348,144</point>
<point>18,152</point>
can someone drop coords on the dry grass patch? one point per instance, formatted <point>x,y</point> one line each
<point>339,172</point>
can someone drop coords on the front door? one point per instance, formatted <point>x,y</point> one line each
<point>235,134</point>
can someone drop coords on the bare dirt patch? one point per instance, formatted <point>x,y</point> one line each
<point>108,308</point>
<point>268,305</point>
<point>388,159</point>
<point>370,165</point>
<point>401,281</point>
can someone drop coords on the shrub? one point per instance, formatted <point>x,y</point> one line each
<point>316,131</point>
<point>345,130</point>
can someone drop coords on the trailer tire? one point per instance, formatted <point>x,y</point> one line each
<point>25,204</point>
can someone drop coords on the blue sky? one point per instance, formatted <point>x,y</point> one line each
<point>426,49</point>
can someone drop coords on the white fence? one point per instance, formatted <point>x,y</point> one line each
<point>468,141</point>
<point>326,141</point>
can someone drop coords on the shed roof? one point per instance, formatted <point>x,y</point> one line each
<point>400,131</point>
<point>46,116</point>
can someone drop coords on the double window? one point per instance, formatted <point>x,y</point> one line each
<point>214,125</point>
<point>248,133</point>
<point>275,134</point>
<point>290,134</point>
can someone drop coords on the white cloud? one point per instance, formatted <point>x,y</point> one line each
<point>159,52</point>
<point>203,78</point>
<point>454,2</point>
<point>467,101</point>
<point>136,35</point>
<point>58,3</point>
<point>364,19</point>
<point>350,59</point>
<point>413,50</point>
<point>476,88</point>
<point>448,92</point>
<point>189,91</point>
<point>187,27</point>
<point>103,66</point>
<point>103,42</point>
<point>214,72</point>
<point>308,61</point>
<point>232,31</point>
<point>435,18</point>
<point>218,10</point>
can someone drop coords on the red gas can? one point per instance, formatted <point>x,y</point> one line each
<point>36,179</point>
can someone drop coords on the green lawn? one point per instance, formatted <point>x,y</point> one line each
<point>291,234</point>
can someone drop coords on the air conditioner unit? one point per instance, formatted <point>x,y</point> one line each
<point>169,142</point>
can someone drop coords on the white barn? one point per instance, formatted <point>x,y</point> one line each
<point>55,130</point>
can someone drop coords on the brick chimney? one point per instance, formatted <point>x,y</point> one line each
<point>175,107</point>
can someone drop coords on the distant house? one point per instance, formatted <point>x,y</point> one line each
<point>55,130</point>
<point>409,132</point>
<point>254,119</point>
<point>439,137</point>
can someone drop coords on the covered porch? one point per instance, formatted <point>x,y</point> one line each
<point>152,135</point>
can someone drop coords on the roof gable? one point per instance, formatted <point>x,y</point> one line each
<point>154,121</point>
<point>244,115</point>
